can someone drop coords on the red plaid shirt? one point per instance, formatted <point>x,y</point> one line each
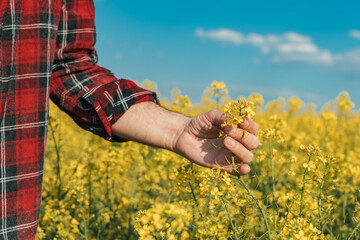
<point>42,40</point>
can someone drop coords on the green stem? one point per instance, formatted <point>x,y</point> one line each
<point>132,205</point>
<point>171,192</point>
<point>344,206</point>
<point>58,160</point>
<point>320,198</point>
<point>84,219</point>
<point>303,188</point>
<point>273,191</point>
<point>90,190</point>
<point>287,213</point>
<point>261,209</point>
<point>259,206</point>
<point>353,232</point>
<point>198,208</point>
<point>229,216</point>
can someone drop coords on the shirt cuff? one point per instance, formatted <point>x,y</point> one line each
<point>109,102</point>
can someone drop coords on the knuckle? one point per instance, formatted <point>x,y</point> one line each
<point>245,123</point>
<point>228,129</point>
<point>212,112</point>
<point>234,132</point>
<point>205,121</point>
<point>240,133</point>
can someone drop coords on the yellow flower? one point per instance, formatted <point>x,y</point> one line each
<point>235,112</point>
<point>305,174</point>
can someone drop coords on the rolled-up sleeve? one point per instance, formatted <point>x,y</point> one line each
<point>90,94</point>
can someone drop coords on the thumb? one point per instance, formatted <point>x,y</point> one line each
<point>215,117</point>
<point>206,125</point>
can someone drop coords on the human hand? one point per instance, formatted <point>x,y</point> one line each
<point>193,138</point>
<point>198,142</point>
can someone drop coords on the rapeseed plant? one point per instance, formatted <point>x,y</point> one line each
<point>305,178</point>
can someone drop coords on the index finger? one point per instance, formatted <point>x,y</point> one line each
<point>249,125</point>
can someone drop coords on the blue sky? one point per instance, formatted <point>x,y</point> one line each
<point>308,49</point>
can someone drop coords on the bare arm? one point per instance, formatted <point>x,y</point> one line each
<point>193,138</point>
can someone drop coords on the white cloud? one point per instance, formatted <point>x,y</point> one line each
<point>222,35</point>
<point>323,57</point>
<point>351,56</point>
<point>348,61</point>
<point>354,34</point>
<point>255,39</point>
<point>273,39</point>
<point>295,37</point>
<point>287,47</point>
<point>294,47</point>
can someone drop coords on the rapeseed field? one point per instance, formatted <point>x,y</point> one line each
<point>304,181</point>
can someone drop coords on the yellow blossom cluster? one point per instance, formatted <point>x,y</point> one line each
<point>304,181</point>
<point>220,93</point>
<point>183,101</point>
<point>219,88</point>
<point>344,103</point>
<point>235,111</point>
<point>163,220</point>
<point>300,229</point>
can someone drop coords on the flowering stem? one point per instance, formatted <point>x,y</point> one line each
<point>85,219</point>
<point>58,160</point>
<point>287,213</point>
<point>273,190</point>
<point>259,206</point>
<point>198,208</point>
<point>303,188</point>
<point>262,212</point>
<point>319,198</point>
<point>171,192</point>
<point>345,204</point>
<point>229,216</point>
<point>353,232</point>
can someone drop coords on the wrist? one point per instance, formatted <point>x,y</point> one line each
<point>176,130</point>
<point>150,124</point>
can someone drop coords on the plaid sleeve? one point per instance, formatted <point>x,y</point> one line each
<point>90,94</point>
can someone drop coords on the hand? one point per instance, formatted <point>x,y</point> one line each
<point>198,142</point>
<point>193,138</point>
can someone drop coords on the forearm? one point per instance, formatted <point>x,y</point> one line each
<point>150,124</point>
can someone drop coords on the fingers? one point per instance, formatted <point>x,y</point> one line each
<point>241,169</point>
<point>250,141</point>
<point>242,154</point>
<point>249,125</point>
<point>215,117</point>
<point>235,141</point>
